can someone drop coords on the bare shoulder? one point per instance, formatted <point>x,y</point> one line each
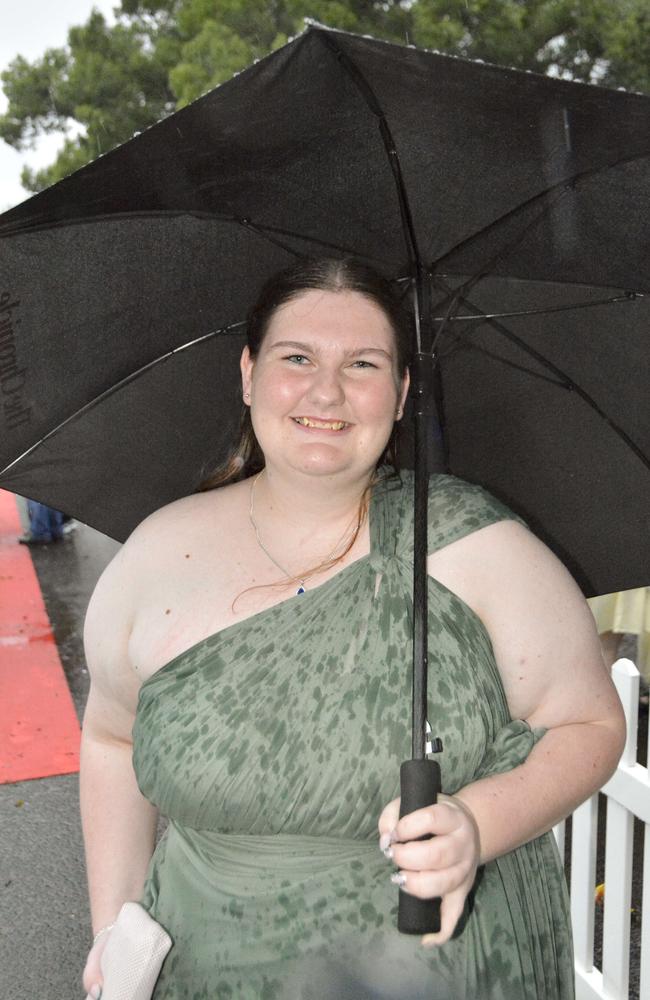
<point>152,549</point>
<point>176,524</point>
<point>543,635</point>
<point>184,515</point>
<point>505,566</point>
<point>493,562</point>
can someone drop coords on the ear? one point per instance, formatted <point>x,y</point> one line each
<point>403,393</point>
<point>246,366</point>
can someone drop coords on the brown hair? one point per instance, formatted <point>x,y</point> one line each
<point>325,274</point>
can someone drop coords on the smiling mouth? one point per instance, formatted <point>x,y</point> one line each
<point>325,425</point>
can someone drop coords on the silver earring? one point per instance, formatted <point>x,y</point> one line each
<point>247,395</point>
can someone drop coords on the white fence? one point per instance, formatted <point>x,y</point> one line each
<point>628,795</point>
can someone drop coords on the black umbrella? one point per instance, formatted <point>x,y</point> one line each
<point>499,192</point>
<point>511,207</point>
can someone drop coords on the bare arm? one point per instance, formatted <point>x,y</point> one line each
<point>551,665</point>
<point>549,659</point>
<point>118,823</point>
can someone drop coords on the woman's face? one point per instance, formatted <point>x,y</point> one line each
<point>324,389</point>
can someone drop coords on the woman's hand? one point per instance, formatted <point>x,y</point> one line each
<point>444,865</point>
<point>93,980</point>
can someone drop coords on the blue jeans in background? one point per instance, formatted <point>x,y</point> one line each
<point>45,523</point>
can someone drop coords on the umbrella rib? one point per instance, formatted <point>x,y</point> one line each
<point>263,231</point>
<point>248,223</point>
<point>460,340</point>
<point>457,295</point>
<point>232,328</point>
<point>587,304</point>
<point>565,382</point>
<point>370,98</point>
<point>560,188</point>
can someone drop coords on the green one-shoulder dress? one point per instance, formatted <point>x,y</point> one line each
<point>273,746</point>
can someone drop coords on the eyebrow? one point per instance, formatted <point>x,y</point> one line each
<point>297,345</point>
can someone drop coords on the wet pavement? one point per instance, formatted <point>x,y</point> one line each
<point>44,919</point>
<point>68,572</point>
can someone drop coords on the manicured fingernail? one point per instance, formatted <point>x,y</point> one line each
<point>385,841</point>
<point>398,878</point>
<point>384,844</point>
<point>96,992</point>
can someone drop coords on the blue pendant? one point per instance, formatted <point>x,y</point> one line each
<point>300,590</point>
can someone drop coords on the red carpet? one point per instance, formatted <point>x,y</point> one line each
<point>39,731</point>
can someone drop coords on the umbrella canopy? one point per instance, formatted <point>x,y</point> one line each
<point>123,288</point>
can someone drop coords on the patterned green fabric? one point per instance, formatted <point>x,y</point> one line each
<point>273,746</point>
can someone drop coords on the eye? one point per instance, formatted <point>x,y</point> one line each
<point>363,364</point>
<point>296,359</point>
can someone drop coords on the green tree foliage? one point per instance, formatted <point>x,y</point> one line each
<point>609,41</point>
<point>107,80</point>
<point>111,81</point>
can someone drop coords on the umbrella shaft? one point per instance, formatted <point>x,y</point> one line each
<point>422,382</point>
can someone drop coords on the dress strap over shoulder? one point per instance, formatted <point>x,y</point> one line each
<point>456,509</point>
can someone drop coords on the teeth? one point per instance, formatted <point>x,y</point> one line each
<point>334,425</point>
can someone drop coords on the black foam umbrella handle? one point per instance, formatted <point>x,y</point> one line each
<point>419,787</point>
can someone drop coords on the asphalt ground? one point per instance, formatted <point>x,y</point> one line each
<point>44,917</point>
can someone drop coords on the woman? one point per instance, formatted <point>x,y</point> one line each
<point>261,632</point>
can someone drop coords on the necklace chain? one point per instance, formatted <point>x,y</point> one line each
<point>301,585</point>
<point>251,516</point>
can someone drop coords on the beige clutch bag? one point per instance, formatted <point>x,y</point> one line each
<point>133,956</point>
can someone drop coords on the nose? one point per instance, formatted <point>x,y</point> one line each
<point>326,387</point>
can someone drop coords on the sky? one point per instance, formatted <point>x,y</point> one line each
<point>27,28</point>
